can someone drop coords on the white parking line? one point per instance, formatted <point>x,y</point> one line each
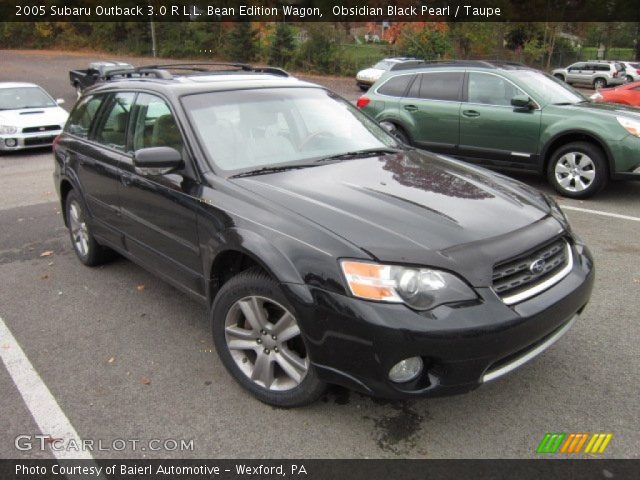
<point>599,212</point>
<point>43,406</point>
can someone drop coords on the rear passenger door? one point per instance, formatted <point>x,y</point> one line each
<point>433,103</point>
<point>159,210</point>
<point>100,159</point>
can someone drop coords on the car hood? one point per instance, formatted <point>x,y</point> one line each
<point>407,202</point>
<point>33,117</point>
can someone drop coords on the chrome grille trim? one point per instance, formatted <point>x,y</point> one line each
<point>539,287</point>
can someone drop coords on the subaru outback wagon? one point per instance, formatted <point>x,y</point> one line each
<point>326,250</point>
<point>507,116</point>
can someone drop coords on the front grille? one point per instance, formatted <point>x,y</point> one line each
<point>514,278</point>
<point>44,128</point>
<point>30,142</point>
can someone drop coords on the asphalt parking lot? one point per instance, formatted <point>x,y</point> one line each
<point>127,357</point>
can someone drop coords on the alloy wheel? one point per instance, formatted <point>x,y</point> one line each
<point>78,227</point>
<point>575,171</point>
<point>264,340</point>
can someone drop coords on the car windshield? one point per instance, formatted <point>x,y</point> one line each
<point>24,97</point>
<point>383,65</point>
<point>547,88</point>
<point>245,130</point>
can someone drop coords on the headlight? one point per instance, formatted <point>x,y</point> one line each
<point>419,288</point>
<point>7,129</point>
<point>630,125</point>
<point>556,212</point>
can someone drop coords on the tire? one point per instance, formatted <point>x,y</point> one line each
<point>599,83</point>
<point>629,79</point>
<point>364,88</point>
<point>78,90</point>
<point>287,378</point>
<point>578,170</point>
<point>402,135</point>
<point>559,77</point>
<point>87,249</point>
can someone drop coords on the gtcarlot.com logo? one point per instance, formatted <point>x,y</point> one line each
<point>44,442</point>
<point>573,443</point>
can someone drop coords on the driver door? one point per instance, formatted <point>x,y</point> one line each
<point>158,210</point>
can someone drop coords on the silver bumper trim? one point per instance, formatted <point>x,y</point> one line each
<point>529,355</point>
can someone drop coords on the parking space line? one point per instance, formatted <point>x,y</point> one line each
<point>36,395</point>
<point>599,212</point>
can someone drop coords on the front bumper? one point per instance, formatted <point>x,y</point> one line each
<point>21,141</point>
<point>355,343</point>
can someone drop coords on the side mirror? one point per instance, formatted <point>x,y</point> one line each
<point>522,102</point>
<point>157,160</point>
<point>59,101</point>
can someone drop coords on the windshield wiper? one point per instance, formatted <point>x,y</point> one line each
<point>265,170</point>
<point>368,152</point>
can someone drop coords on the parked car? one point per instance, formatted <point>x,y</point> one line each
<point>81,79</point>
<point>326,250</point>
<point>627,94</point>
<point>512,117</point>
<point>367,77</point>
<point>596,73</point>
<point>29,116</point>
<point>631,71</point>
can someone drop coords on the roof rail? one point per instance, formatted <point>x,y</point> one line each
<point>438,63</point>
<point>163,71</point>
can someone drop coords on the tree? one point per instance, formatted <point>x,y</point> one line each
<point>242,42</point>
<point>282,45</point>
<point>425,40</point>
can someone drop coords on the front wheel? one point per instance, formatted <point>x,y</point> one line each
<point>578,170</point>
<point>258,339</point>
<point>599,83</point>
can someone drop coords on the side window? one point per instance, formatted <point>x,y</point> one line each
<point>491,89</point>
<point>154,124</point>
<point>396,86</point>
<point>82,116</point>
<point>576,67</point>
<point>113,131</point>
<point>441,85</point>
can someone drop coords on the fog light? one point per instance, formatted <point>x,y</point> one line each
<point>406,370</point>
<point>10,142</point>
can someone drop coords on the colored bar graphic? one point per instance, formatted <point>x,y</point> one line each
<point>572,443</point>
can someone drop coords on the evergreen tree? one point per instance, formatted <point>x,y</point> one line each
<point>242,42</point>
<point>282,46</point>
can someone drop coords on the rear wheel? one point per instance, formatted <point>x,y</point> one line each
<point>87,249</point>
<point>578,170</point>
<point>401,135</point>
<point>258,339</point>
<point>629,78</point>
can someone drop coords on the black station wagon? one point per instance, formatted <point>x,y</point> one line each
<point>327,250</point>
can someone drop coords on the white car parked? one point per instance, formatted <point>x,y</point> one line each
<point>29,116</point>
<point>367,77</point>
<point>631,71</point>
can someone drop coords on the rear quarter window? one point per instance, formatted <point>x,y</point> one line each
<point>441,86</point>
<point>396,86</point>
<point>83,115</point>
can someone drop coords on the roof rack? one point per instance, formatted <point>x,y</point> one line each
<point>163,71</point>
<point>458,63</point>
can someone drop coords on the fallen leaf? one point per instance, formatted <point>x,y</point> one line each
<point>112,359</point>
<point>47,253</point>
<point>145,381</point>
<point>140,288</point>
<point>44,277</point>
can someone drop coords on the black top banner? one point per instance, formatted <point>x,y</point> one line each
<point>319,10</point>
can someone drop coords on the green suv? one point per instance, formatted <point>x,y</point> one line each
<point>508,116</point>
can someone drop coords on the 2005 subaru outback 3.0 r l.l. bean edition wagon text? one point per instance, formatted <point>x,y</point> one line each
<point>327,251</point>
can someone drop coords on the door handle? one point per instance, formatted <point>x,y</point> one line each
<point>126,179</point>
<point>411,108</point>
<point>470,113</point>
